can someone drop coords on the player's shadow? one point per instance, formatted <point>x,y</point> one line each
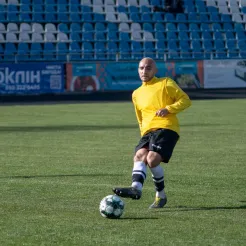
<point>60,175</point>
<point>190,209</point>
<point>139,218</point>
<point>55,128</point>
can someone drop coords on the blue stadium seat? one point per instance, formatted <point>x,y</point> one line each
<point>63,17</point>
<point>88,51</point>
<point>193,18</point>
<point>23,52</point>
<point>75,27</point>
<point>124,36</point>
<point>9,52</point>
<point>229,35</point>
<point>62,51</point>
<point>125,50</point>
<point>100,51</point>
<point>133,9</point>
<point>88,27</point>
<point>75,17</point>
<point>173,54</point>
<point>135,17</point>
<point>25,17</point>
<point>169,17</point>
<point>215,17</point>
<point>75,8</point>
<point>172,35</point>
<point>207,35</point>
<point>145,9</point>
<point>212,9</point>
<point>49,52</point>
<point>160,36</point>
<point>216,27</point>
<point>171,27</point>
<point>36,51</point>
<point>218,35</point>
<point>38,8</point>
<point>12,17</point>
<point>87,17</point>
<point>50,17</point>
<point>100,27</point>
<point>112,27</point>
<point>228,27</point>
<point>24,8</point>
<point>75,51</point>
<point>172,45</point>
<point>182,27</point>
<point>160,49</point>
<point>204,18</point>
<point>159,27</point>
<point>75,36</point>
<point>62,8</point>
<point>240,34</point>
<point>149,49</point>
<point>113,36</point>
<point>88,36</point>
<point>147,27</point>
<point>226,18</point>
<point>146,17</point>
<point>194,35</point>
<point>181,18</point>
<point>99,17</point>
<point>194,27</point>
<point>158,17</point>
<point>183,35</point>
<point>100,36</point>
<point>205,27</point>
<point>137,50</point>
<point>62,27</point>
<point>122,9</point>
<point>86,9</point>
<point>113,49</point>
<point>50,8</point>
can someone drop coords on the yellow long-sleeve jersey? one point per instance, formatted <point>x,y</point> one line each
<point>159,93</point>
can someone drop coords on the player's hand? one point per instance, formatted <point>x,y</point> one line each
<point>162,112</point>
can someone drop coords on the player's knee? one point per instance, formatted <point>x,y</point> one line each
<point>153,159</point>
<point>141,155</point>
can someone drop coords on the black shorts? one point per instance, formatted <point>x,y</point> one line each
<point>161,141</point>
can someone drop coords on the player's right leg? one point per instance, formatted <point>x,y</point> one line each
<point>138,177</point>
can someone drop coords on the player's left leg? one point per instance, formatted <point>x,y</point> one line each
<point>161,148</point>
<point>154,159</point>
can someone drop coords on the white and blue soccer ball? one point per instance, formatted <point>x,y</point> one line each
<point>111,207</point>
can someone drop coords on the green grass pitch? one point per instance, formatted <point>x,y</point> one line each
<point>58,161</point>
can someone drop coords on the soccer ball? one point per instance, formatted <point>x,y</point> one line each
<point>111,207</point>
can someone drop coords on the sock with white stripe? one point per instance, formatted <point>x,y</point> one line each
<point>158,178</point>
<point>138,174</point>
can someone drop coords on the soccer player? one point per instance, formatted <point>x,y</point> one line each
<point>156,102</point>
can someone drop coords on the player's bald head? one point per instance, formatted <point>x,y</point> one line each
<point>147,69</point>
<point>149,61</point>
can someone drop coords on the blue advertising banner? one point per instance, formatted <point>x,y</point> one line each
<point>117,76</point>
<point>31,78</point>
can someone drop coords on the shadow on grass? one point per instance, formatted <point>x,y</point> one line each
<point>64,128</point>
<point>139,218</point>
<point>184,208</point>
<point>58,176</point>
<point>82,127</point>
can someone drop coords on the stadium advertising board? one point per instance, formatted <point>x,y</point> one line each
<point>224,74</point>
<point>31,78</point>
<point>123,76</point>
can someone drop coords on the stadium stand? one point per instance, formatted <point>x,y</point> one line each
<point>64,30</point>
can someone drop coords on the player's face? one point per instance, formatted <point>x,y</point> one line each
<point>146,70</point>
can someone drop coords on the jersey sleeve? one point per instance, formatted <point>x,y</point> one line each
<point>137,111</point>
<point>181,99</point>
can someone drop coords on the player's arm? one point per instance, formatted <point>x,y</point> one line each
<point>181,99</point>
<point>137,111</point>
